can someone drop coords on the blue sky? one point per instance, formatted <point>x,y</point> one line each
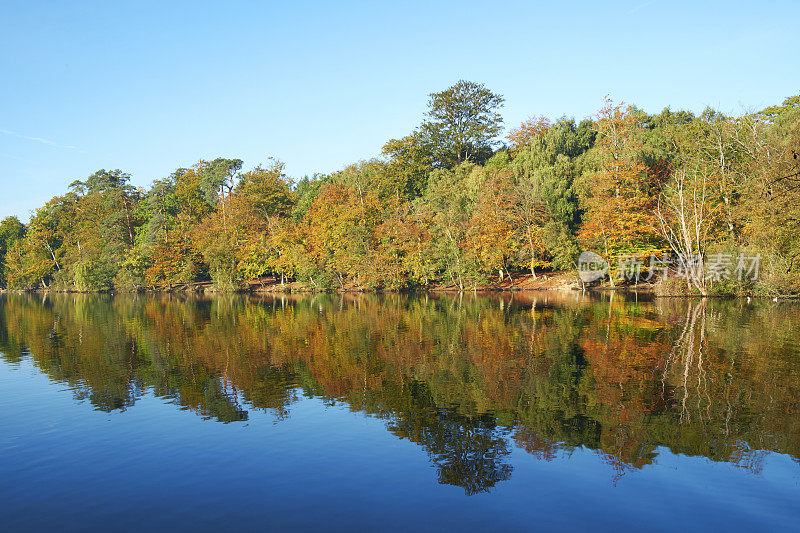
<point>148,87</point>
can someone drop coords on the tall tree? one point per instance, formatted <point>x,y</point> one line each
<point>463,123</point>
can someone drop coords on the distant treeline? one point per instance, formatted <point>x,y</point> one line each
<point>448,203</point>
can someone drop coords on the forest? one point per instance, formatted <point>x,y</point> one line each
<point>453,203</point>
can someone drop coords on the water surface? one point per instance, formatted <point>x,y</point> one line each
<point>386,412</point>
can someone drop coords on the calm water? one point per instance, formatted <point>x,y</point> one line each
<point>398,412</point>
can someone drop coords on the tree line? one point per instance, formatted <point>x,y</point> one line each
<point>450,203</point>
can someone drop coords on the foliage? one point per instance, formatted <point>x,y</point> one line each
<point>463,123</point>
<point>11,231</point>
<point>443,205</point>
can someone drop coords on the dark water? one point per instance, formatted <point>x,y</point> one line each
<point>396,412</point>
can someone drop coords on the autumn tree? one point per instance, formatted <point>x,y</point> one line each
<point>530,129</point>
<point>264,200</point>
<point>492,236</point>
<point>620,206</point>
<point>402,247</point>
<point>267,190</point>
<point>336,237</point>
<point>235,237</point>
<point>167,243</point>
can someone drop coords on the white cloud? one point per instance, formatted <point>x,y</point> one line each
<point>38,140</point>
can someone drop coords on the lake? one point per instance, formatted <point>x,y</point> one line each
<point>509,411</point>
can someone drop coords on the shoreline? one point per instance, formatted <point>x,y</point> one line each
<point>515,283</point>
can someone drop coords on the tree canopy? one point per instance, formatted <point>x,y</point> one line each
<point>446,205</point>
<point>463,123</point>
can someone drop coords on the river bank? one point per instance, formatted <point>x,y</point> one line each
<point>560,281</point>
<point>517,282</point>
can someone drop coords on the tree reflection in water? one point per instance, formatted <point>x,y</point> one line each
<point>467,378</point>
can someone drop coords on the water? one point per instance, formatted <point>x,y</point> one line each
<point>396,412</point>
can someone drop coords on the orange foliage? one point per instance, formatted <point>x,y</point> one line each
<point>526,132</point>
<point>493,228</point>
<point>620,215</point>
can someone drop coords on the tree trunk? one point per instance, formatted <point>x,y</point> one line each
<point>533,253</point>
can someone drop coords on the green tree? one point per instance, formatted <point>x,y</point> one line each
<point>463,123</point>
<point>547,197</point>
<point>409,161</point>
<point>218,178</point>
<point>11,231</point>
<point>448,204</point>
<point>34,261</point>
<point>102,230</point>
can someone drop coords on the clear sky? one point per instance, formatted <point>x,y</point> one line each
<point>148,87</point>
